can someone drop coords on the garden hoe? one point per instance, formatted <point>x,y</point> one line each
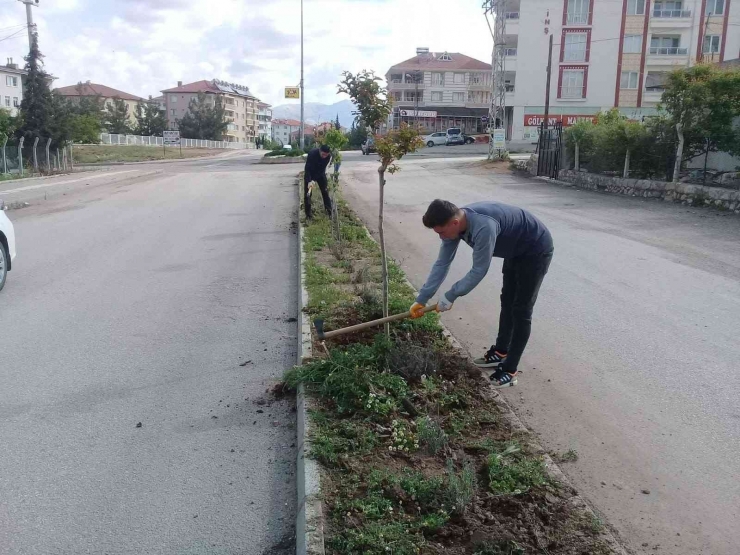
<point>359,327</point>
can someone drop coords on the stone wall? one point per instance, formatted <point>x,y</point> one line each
<point>685,193</point>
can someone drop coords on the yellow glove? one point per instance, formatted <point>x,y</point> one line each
<point>417,310</point>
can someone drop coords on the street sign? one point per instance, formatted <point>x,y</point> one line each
<point>484,119</point>
<point>171,137</point>
<point>292,92</point>
<point>499,139</point>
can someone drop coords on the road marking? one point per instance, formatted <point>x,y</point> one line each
<point>43,185</point>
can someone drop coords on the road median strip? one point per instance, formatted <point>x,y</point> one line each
<point>406,449</point>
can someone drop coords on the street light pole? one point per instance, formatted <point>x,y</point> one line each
<point>303,134</point>
<point>29,20</point>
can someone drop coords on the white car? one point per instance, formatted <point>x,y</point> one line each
<point>7,246</point>
<point>436,139</point>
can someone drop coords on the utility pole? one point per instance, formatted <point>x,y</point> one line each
<point>497,110</point>
<point>547,87</point>
<point>303,135</point>
<point>29,20</point>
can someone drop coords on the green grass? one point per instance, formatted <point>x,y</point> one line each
<point>510,471</point>
<point>92,154</point>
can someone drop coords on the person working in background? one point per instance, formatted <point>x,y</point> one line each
<point>316,162</point>
<point>492,229</point>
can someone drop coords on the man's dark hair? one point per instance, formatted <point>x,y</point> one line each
<point>439,213</point>
<point>325,148</point>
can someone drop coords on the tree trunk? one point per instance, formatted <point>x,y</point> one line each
<point>679,154</point>
<point>578,158</point>
<point>626,173</point>
<point>383,258</point>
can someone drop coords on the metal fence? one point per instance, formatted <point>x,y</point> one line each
<point>123,140</point>
<point>23,157</point>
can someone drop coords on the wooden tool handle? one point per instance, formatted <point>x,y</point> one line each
<point>378,322</point>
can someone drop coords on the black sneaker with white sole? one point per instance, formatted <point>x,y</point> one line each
<point>501,378</point>
<point>491,359</point>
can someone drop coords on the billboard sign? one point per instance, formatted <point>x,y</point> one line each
<point>171,137</point>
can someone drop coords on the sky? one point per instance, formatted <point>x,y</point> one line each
<point>144,46</point>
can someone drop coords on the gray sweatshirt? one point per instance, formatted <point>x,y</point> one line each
<point>494,229</point>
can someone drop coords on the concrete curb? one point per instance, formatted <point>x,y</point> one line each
<point>517,425</point>
<point>310,513</point>
<point>284,160</point>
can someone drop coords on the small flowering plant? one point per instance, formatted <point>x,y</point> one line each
<point>403,439</point>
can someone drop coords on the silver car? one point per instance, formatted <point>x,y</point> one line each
<point>435,139</point>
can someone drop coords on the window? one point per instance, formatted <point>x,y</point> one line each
<point>572,83</point>
<point>396,96</point>
<point>172,111</point>
<point>438,79</point>
<point>11,81</point>
<point>458,97</point>
<point>635,7</point>
<point>445,58</point>
<point>578,12</point>
<point>715,7</point>
<point>656,81</point>
<point>173,98</point>
<point>628,80</point>
<point>436,96</point>
<point>15,102</point>
<point>669,9</point>
<point>632,44</point>
<point>458,78</point>
<point>7,101</point>
<point>711,44</point>
<point>575,47</point>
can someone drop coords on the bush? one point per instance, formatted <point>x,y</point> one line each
<point>288,153</point>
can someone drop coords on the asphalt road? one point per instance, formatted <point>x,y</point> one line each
<point>633,359</point>
<point>135,298</point>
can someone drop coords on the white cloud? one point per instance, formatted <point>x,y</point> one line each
<point>144,46</point>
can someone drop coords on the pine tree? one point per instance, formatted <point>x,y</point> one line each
<point>37,103</point>
<point>150,120</point>
<point>337,125</point>
<point>116,117</point>
<point>204,119</point>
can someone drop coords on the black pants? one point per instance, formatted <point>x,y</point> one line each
<point>323,185</point>
<point>522,279</point>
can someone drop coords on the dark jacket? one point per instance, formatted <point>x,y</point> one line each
<point>316,165</point>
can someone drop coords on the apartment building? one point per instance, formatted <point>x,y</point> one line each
<point>264,120</point>
<point>240,103</point>
<point>283,129</point>
<point>439,90</point>
<point>606,54</point>
<point>107,94</point>
<point>11,87</point>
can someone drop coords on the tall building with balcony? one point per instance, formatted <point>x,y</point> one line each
<point>606,54</point>
<point>440,90</point>
<point>239,102</point>
<point>11,87</point>
<point>264,120</point>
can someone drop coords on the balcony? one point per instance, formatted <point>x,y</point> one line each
<point>577,18</point>
<point>671,14</point>
<point>399,86</point>
<point>571,93</point>
<point>669,51</point>
<point>510,52</point>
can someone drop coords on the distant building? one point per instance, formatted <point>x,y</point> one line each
<point>439,90</point>
<point>240,103</point>
<point>107,94</point>
<point>283,129</point>
<point>11,87</point>
<point>312,129</point>
<point>159,101</point>
<point>264,120</point>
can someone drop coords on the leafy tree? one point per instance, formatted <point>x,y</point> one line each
<point>150,120</point>
<point>117,116</point>
<point>579,135</point>
<point>36,106</point>
<point>205,119</point>
<point>357,135</point>
<point>703,102</point>
<point>373,109</point>
<point>8,124</point>
<point>85,129</point>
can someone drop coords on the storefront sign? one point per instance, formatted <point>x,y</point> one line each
<point>536,120</point>
<point>419,114</point>
<point>292,92</point>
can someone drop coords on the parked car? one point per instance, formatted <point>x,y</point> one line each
<point>368,146</point>
<point>435,139</point>
<point>7,246</point>
<point>455,136</point>
<point>468,139</point>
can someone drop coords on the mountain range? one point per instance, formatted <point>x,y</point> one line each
<point>316,112</point>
